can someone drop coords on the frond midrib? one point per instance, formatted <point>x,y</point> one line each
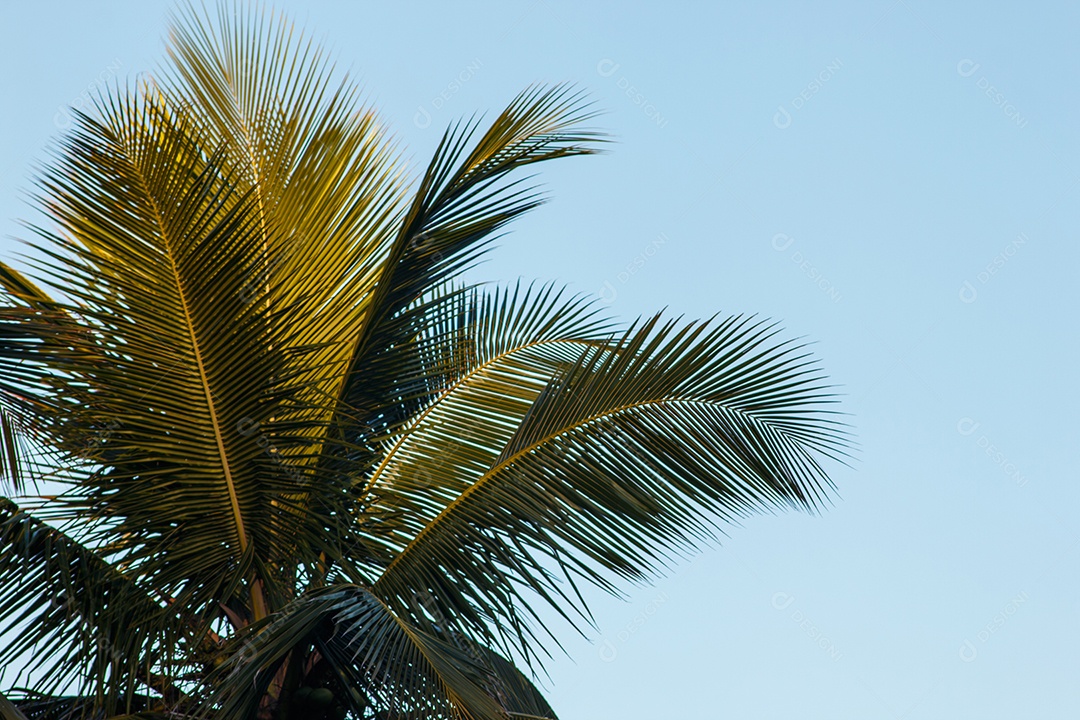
<point>204,380</point>
<point>438,402</point>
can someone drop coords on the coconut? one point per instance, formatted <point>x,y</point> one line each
<point>302,695</point>
<point>321,697</point>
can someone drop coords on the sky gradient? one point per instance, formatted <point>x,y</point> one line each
<point>897,182</point>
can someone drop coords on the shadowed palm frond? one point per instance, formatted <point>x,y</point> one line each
<point>516,693</point>
<point>27,318</point>
<point>8,711</point>
<point>81,624</point>
<point>634,450</point>
<point>373,660</point>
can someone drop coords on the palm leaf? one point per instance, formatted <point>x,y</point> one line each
<point>87,626</point>
<point>462,200</point>
<point>636,450</point>
<point>26,317</point>
<point>318,165</point>
<point>171,367</point>
<point>317,162</point>
<point>46,707</point>
<point>518,696</point>
<point>8,711</point>
<point>291,446</point>
<point>510,345</point>
<point>379,661</point>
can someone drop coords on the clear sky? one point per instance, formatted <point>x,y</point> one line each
<point>896,180</point>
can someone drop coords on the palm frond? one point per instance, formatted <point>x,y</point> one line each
<point>374,658</point>
<point>8,711</point>
<point>636,450</point>
<point>296,457</point>
<point>35,706</point>
<point>13,467</point>
<point>516,693</point>
<point>463,199</point>
<point>171,367</point>
<point>513,343</point>
<point>317,163</point>
<point>87,626</point>
<point>27,315</point>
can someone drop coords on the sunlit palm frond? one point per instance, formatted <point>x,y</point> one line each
<point>174,369</point>
<point>327,187</point>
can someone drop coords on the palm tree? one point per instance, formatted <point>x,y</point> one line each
<point>297,468</point>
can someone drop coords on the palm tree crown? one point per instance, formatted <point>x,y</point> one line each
<point>303,470</point>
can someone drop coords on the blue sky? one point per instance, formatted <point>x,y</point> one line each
<point>896,180</point>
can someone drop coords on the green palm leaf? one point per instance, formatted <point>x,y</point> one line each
<point>510,346</point>
<point>376,660</point>
<point>323,177</point>
<point>27,317</point>
<point>516,693</point>
<point>636,449</point>
<point>87,626</point>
